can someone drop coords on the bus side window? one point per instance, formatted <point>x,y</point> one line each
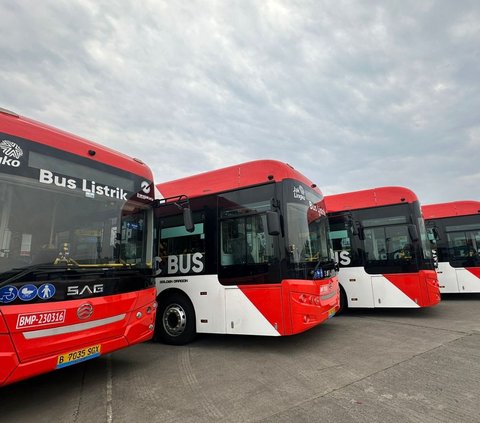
<point>229,232</point>
<point>244,241</point>
<point>181,251</point>
<point>234,246</point>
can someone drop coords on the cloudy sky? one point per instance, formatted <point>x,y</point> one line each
<point>352,94</point>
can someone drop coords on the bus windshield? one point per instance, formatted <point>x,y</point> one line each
<point>387,240</point>
<point>67,228</point>
<point>306,229</point>
<point>459,242</point>
<point>307,240</point>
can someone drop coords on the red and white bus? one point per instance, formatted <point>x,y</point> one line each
<point>381,245</point>
<point>454,228</point>
<point>257,260</point>
<point>76,226</point>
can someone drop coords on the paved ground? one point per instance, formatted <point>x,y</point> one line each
<point>363,366</point>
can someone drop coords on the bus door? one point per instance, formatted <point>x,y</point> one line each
<point>353,278</point>
<point>464,243</point>
<point>246,317</point>
<point>467,281</point>
<point>358,286</point>
<point>388,249</point>
<point>386,294</point>
<point>447,278</point>
<point>247,252</point>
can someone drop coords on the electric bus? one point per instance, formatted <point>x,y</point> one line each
<point>381,245</point>
<point>257,259</point>
<point>76,243</point>
<point>454,229</point>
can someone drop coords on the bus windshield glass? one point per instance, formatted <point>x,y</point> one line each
<point>307,226</point>
<point>74,221</point>
<point>387,239</point>
<point>464,240</point>
<point>394,239</point>
<point>67,229</point>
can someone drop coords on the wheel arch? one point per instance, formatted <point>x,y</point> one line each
<point>172,291</point>
<point>163,299</point>
<point>343,299</point>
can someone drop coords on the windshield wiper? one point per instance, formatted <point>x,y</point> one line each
<point>23,271</point>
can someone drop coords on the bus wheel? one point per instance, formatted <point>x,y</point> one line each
<point>343,301</point>
<point>175,323</point>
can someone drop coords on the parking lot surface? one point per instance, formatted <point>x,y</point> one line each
<point>362,366</point>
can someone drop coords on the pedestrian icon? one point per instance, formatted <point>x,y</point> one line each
<point>46,291</point>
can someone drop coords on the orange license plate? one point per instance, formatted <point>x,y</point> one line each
<point>78,356</point>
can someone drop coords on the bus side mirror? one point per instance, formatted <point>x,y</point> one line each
<point>436,234</point>
<point>412,231</point>
<point>188,219</point>
<point>353,229</point>
<point>350,224</point>
<point>273,223</point>
<point>360,231</point>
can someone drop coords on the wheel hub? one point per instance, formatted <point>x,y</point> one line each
<point>174,320</point>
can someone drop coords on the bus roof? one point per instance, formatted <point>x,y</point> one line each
<point>375,197</point>
<point>20,126</point>
<point>453,208</point>
<point>237,176</point>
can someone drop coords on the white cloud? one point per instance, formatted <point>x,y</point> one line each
<point>352,95</point>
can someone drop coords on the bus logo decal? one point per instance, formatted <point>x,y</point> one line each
<point>27,292</point>
<point>12,152</point>
<point>145,187</point>
<point>8,294</point>
<point>85,311</point>
<point>299,193</point>
<point>77,290</point>
<point>11,149</point>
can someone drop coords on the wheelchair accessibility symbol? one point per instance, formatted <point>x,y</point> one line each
<point>8,294</point>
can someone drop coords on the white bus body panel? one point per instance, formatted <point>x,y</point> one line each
<point>365,290</point>
<point>455,280</point>
<point>447,278</point>
<point>243,318</point>
<point>358,286</point>
<point>218,309</point>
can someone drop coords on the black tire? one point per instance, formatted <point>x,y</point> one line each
<point>343,301</point>
<point>175,322</point>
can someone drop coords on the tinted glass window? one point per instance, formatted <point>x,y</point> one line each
<point>181,252</point>
<point>247,253</point>
<point>457,240</point>
<point>47,225</point>
<point>246,241</point>
<point>384,240</point>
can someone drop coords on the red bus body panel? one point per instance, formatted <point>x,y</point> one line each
<point>367,198</point>
<point>21,126</point>
<point>295,306</point>
<point>454,208</point>
<point>292,306</point>
<point>28,348</point>
<point>22,357</point>
<point>421,287</point>
<point>238,176</point>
